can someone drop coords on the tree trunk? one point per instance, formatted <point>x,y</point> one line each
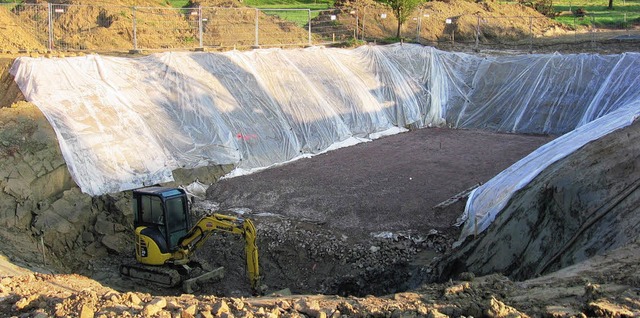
<point>399,17</point>
<point>610,5</point>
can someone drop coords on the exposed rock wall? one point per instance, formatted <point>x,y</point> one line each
<point>41,207</point>
<point>38,196</point>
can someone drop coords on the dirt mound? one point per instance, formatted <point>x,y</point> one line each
<point>109,27</point>
<point>9,91</point>
<point>496,20</point>
<point>15,35</point>
<point>106,27</point>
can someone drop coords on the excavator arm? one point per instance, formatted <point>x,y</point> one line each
<point>205,227</point>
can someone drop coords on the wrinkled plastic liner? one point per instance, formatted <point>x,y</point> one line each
<point>124,123</point>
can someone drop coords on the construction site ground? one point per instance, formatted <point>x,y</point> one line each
<point>356,232</point>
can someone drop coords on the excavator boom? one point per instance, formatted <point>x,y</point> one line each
<point>203,229</point>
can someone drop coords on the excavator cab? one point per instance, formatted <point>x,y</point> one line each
<point>162,215</point>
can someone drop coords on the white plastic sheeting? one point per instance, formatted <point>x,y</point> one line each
<point>124,123</point>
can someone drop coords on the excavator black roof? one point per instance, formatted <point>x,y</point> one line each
<point>159,191</point>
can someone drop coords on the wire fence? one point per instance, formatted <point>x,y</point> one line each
<point>66,27</point>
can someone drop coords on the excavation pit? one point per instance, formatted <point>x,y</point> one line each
<point>371,219</point>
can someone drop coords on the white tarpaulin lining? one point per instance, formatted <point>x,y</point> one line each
<point>124,123</point>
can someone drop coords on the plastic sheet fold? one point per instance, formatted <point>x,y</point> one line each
<point>124,123</point>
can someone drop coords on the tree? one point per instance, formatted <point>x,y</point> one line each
<point>402,9</point>
<point>610,5</point>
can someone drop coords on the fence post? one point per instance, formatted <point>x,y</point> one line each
<point>364,15</point>
<point>309,23</point>
<point>477,34</point>
<point>135,32</point>
<point>575,30</point>
<point>355,31</point>
<point>530,34</point>
<point>200,28</point>
<point>593,33</point>
<point>626,25</point>
<point>50,21</point>
<point>256,45</point>
<point>418,26</point>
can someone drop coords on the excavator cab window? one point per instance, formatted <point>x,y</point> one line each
<point>177,219</point>
<point>152,211</point>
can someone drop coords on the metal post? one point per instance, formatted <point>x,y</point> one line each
<point>355,31</point>
<point>477,34</point>
<point>575,30</point>
<point>530,34</point>
<point>593,35</point>
<point>364,14</point>
<point>200,25</point>
<point>256,45</point>
<point>626,26</point>
<point>50,21</point>
<point>309,20</point>
<point>418,26</point>
<point>135,32</point>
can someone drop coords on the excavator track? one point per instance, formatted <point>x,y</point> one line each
<point>164,276</point>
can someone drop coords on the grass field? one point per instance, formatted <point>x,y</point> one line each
<point>290,4</point>
<point>299,17</point>
<point>624,13</point>
<point>178,3</point>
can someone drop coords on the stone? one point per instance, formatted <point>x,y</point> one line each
<point>237,303</point>
<point>561,311</point>
<point>497,309</point>
<point>118,242</point>
<point>308,307</point>
<point>24,302</point>
<point>154,306</point>
<point>434,313</point>
<point>406,296</point>
<point>467,276</point>
<point>104,226</point>
<point>87,237</point>
<point>456,289</point>
<point>173,305</point>
<point>159,302</point>
<point>603,308</point>
<point>220,308</point>
<point>23,216</point>
<point>191,310</point>
<point>206,314</point>
<point>86,311</point>
<point>17,188</point>
<point>134,299</point>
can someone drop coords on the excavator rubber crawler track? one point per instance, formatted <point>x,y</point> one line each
<point>159,275</point>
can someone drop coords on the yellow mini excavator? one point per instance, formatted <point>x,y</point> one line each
<point>165,240</point>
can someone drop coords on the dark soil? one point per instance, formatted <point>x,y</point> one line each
<point>390,184</point>
<point>363,219</point>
